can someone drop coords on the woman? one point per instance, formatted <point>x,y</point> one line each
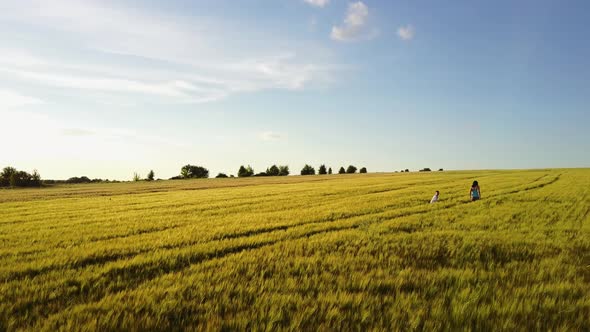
<point>434,198</point>
<point>474,192</point>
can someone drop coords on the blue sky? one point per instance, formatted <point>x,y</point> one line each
<point>109,88</point>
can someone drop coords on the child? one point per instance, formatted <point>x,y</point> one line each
<point>434,198</point>
<point>474,192</point>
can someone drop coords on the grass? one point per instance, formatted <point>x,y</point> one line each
<point>339,252</point>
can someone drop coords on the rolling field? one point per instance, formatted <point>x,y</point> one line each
<point>339,252</point>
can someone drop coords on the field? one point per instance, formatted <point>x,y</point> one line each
<point>339,252</point>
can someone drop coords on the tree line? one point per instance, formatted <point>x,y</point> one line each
<point>200,172</point>
<point>309,170</point>
<point>11,177</point>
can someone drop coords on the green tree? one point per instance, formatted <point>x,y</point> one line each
<point>6,175</point>
<point>35,179</point>
<point>341,170</point>
<point>221,176</point>
<point>14,180</point>
<point>330,170</point>
<point>307,170</point>
<point>242,172</point>
<point>194,172</point>
<point>283,170</point>
<point>75,179</point>
<point>245,171</point>
<point>273,171</point>
<point>351,170</point>
<point>150,176</point>
<point>322,170</point>
<point>184,172</point>
<point>363,170</point>
<point>12,177</point>
<point>136,177</point>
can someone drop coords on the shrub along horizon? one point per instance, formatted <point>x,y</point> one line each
<point>351,170</point>
<point>11,177</point>
<point>245,171</point>
<point>307,170</point>
<point>194,172</point>
<point>150,176</point>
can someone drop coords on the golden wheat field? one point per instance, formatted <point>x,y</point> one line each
<point>340,252</point>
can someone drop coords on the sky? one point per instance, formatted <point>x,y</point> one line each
<point>108,88</point>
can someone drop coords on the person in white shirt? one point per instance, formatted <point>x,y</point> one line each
<point>434,198</point>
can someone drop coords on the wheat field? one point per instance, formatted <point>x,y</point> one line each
<point>341,252</point>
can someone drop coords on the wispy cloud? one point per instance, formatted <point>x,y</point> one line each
<point>271,136</point>
<point>318,3</point>
<point>354,26</point>
<point>10,99</point>
<point>182,60</point>
<point>406,32</point>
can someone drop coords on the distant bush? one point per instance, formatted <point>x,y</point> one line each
<point>136,177</point>
<point>6,175</point>
<point>283,170</point>
<point>330,170</point>
<point>440,169</point>
<point>322,170</point>
<point>351,170</point>
<point>150,176</point>
<point>194,172</point>
<point>245,171</point>
<point>407,170</point>
<point>76,180</point>
<point>363,170</point>
<point>273,171</point>
<point>10,176</point>
<point>341,170</point>
<point>221,176</point>
<point>82,179</point>
<point>178,177</point>
<point>307,170</point>
<point>425,170</point>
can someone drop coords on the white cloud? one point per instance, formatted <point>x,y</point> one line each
<point>9,99</point>
<point>271,136</point>
<point>181,59</point>
<point>318,3</point>
<point>406,33</point>
<point>354,26</point>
